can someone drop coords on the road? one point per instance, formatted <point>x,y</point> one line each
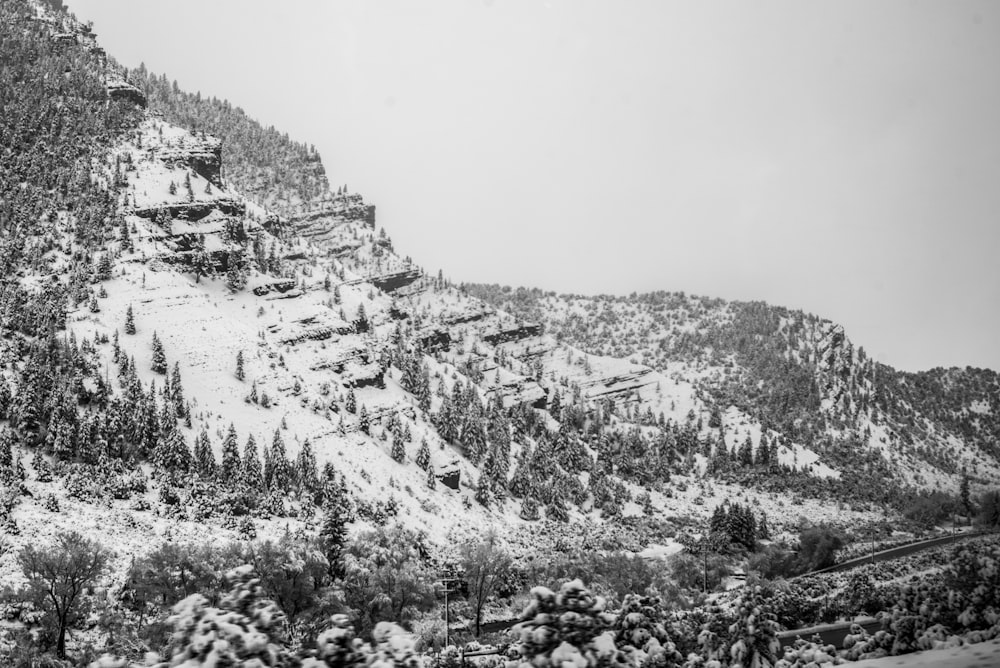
<point>830,634</point>
<point>892,553</point>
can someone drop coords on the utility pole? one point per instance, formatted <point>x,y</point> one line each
<point>448,580</point>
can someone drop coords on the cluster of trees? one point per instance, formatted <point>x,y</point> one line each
<point>786,362</point>
<point>736,524</point>
<point>263,163</point>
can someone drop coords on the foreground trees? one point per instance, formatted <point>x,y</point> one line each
<point>59,574</point>
<point>488,567</point>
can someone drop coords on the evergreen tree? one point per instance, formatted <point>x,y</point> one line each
<point>250,472</point>
<point>745,455</point>
<point>173,453</point>
<point>231,464</point>
<point>363,420</point>
<point>352,402</point>
<point>204,457</point>
<point>6,448</point>
<point>240,374</point>
<point>177,391</point>
<point>424,455</point>
<point>305,467</point>
<point>5,399</point>
<point>431,477</point>
<point>283,474</point>
<point>398,451</point>
<point>159,357</point>
<point>129,321</point>
<point>336,515</point>
<point>963,495</point>
<point>361,323</point>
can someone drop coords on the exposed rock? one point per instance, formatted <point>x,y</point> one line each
<point>512,334</point>
<point>395,280</point>
<point>202,154</point>
<point>612,386</point>
<point>281,285</point>
<point>318,222</point>
<point>435,339</point>
<point>450,477</point>
<point>521,392</point>
<point>363,375</point>
<point>123,90</point>
<point>315,328</point>
<point>463,317</point>
<point>193,210</point>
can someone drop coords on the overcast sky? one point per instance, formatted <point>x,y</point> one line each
<point>839,157</point>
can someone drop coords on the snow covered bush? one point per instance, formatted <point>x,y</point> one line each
<point>809,653</point>
<point>568,629</point>
<point>755,631</point>
<point>245,630</point>
<point>641,635</point>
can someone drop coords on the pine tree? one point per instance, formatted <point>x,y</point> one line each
<point>5,399</point>
<point>306,471</point>
<point>204,457</point>
<point>336,515</point>
<point>424,455</point>
<point>963,494</point>
<point>159,357</point>
<point>363,420</point>
<point>231,464</point>
<point>398,451</point>
<point>431,477</point>
<point>250,472</point>
<point>745,455</point>
<point>129,321</point>
<point>173,454</point>
<point>361,323</point>
<point>6,448</point>
<point>240,374</point>
<point>352,402</point>
<point>281,469</point>
<point>177,391</point>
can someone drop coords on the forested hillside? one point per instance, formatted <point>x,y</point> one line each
<point>236,424</point>
<point>795,373</point>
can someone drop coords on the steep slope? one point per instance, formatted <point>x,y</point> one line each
<point>796,374</point>
<point>166,283</point>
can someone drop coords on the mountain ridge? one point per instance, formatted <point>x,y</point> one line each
<point>420,355</point>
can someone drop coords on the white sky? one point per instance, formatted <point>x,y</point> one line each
<point>839,157</point>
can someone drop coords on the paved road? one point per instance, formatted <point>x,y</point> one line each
<point>831,634</point>
<point>893,553</point>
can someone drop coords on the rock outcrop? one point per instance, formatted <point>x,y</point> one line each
<point>192,211</point>
<point>123,90</point>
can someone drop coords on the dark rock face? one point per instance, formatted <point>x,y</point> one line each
<point>462,318</point>
<point>318,222</point>
<point>396,280</point>
<point>184,259</point>
<point>451,479</point>
<point>193,210</point>
<point>122,90</point>
<point>372,375</point>
<point>513,334</point>
<point>203,156</point>
<point>281,286</point>
<point>623,384</point>
<point>436,339</point>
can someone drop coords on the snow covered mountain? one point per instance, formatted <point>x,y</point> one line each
<point>180,281</point>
